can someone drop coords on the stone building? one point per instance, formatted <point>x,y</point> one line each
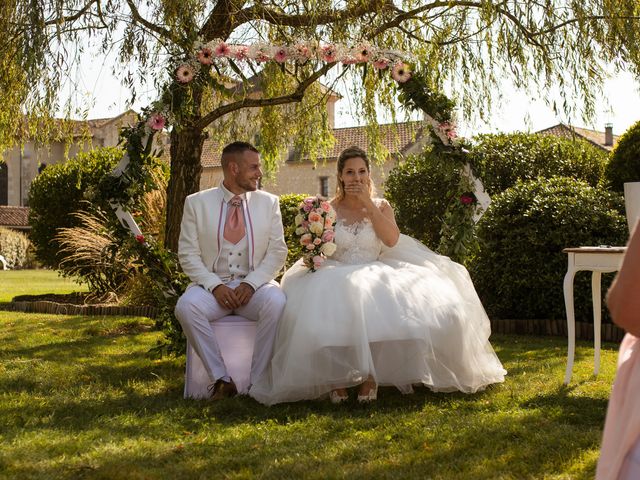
<point>23,163</point>
<point>300,175</point>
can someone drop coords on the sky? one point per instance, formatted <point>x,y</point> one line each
<point>620,104</point>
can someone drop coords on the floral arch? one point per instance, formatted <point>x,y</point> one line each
<point>130,179</point>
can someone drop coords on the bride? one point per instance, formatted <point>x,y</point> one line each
<point>383,310</point>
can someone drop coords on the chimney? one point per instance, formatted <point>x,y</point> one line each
<point>608,134</point>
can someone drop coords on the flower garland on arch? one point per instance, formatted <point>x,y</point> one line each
<point>217,52</point>
<point>301,51</point>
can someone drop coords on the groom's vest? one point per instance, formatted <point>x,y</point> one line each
<point>233,261</point>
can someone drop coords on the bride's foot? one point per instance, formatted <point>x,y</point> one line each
<point>368,391</point>
<point>338,395</point>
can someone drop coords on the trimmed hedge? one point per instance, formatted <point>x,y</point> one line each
<point>14,247</point>
<point>624,165</point>
<point>61,190</point>
<point>501,160</point>
<point>519,268</point>
<point>421,189</point>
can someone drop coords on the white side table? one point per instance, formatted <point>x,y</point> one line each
<point>598,260</point>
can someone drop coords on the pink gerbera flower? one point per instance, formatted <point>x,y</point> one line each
<point>262,56</point>
<point>205,56</point>
<point>240,52</point>
<point>329,53</point>
<point>222,50</point>
<point>185,73</point>
<point>449,130</point>
<point>156,121</point>
<point>363,53</point>
<point>303,51</point>
<point>401,72</point>
<point>280,55</point>
<point>381,63</point>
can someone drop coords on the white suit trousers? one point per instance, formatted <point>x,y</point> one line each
<point>197,307</point>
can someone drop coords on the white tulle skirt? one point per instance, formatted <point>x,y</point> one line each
<point>410,317</point>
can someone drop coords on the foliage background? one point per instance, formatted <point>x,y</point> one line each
<point>624,165</point>
<point>420,190</point>
<point>60,191</point>
<point>519,268</point>
<point>500,160</point>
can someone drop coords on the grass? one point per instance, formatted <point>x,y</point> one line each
<point>34,282</point>
<point>80,398</point>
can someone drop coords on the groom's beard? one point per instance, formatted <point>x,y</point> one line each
<point>249,185</point>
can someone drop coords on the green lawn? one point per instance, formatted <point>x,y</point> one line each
<point>79,398</point>
<point>34,282</point>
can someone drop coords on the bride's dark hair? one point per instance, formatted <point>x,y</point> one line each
<point>346,154</point>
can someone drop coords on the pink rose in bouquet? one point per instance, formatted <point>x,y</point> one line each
<point>314,216</point>
<point>315,223</point>
<point>306,239</point>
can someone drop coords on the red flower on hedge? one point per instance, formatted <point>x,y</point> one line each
<point>468,198</point>
<point>140,238</point>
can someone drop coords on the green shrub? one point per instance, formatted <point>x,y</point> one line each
<point>624,165</point>
<point>501,160</point>
<point>14,247</point>
<point>289,208</point>
<point>59,191</point>
<point>519,268</point>
<point>421,189</point>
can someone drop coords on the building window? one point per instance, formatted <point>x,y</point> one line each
<point>324,186</point>
<point>4,184</point>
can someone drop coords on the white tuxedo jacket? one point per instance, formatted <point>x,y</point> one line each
<point>201,238</point>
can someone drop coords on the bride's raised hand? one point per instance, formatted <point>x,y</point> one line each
<point>360,191</point>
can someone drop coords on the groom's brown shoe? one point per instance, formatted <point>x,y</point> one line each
<point>222,389</point>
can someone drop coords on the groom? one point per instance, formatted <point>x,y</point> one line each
<point>231,247</point>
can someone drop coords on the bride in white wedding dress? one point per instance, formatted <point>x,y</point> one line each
<point>383,310</point>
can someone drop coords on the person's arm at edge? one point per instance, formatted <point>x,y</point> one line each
<point>623,298</point>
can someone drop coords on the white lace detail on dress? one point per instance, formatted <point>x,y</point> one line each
<point>356,243</point>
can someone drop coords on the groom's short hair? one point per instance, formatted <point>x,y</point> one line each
<point>231,151</point>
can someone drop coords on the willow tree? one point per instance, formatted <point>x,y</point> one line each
<point>464,46</point>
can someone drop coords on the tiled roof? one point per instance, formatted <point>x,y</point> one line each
<point>396,138</point>
<point>14,217</point>
<point>569,131</point>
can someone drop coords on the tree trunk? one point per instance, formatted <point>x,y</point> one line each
<point>186,169</point>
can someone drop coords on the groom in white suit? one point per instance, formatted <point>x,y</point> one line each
<point>232,247</point>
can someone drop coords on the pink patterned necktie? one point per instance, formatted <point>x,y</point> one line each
<point>234,229</point>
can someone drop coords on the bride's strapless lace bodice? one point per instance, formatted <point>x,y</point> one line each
<point>356,243</point>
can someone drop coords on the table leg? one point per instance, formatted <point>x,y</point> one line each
<point>596,278</point>
<point>571,321</point>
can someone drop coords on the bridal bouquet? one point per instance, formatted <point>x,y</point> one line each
<point>315,221</point>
